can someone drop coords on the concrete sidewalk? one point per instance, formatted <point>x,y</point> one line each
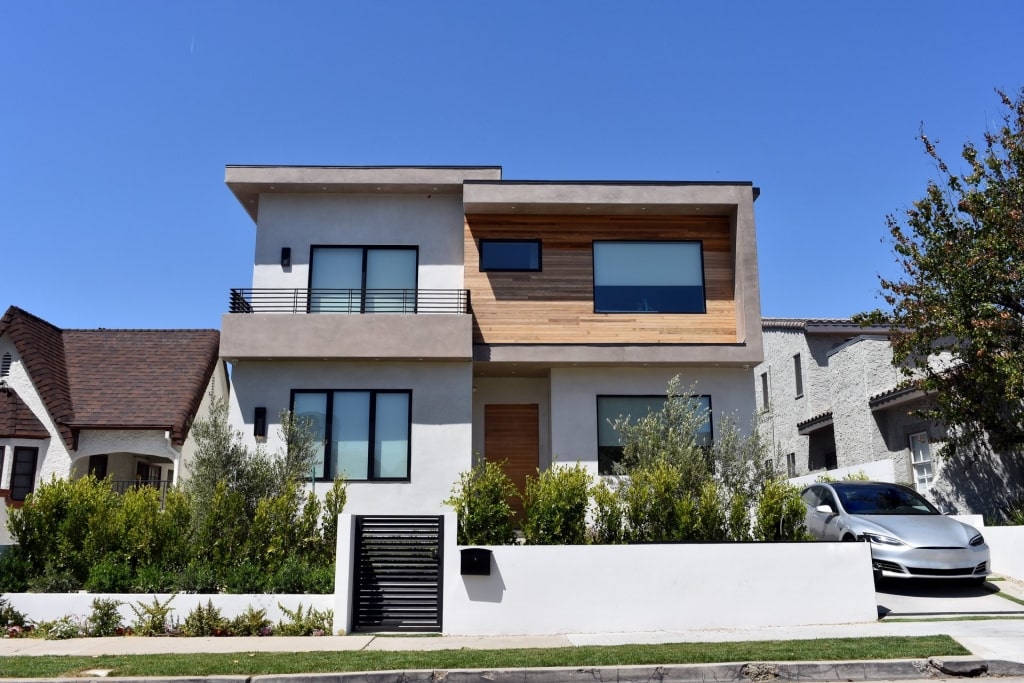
<point>996,644</point>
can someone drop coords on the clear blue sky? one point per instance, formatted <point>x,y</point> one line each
<point>117,119</point>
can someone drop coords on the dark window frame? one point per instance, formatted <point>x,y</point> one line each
<point>540,255</point>
<point>362,280</point>
<point>20,492</point>
<point>326,474</point>
<point>652,397</point>
<point>798,372</point>
<point>766,403</point>
<point>703,283</point>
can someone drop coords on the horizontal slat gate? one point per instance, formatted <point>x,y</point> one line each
<point>398,576</point>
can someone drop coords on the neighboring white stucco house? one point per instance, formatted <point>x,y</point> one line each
<point>115,403</point>
<point>425,316</point>
<point>830,398</point>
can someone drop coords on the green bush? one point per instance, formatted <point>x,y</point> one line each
<point>9,616</point>
<point>14,571</point>
<point>251,622</point>
<point>780,514</point>
<point>555,504</point>
<point>244,578</point>
<point>712,522</point>
<point>198,577</point>
<point>481,501</point>
<point>205,621</point>
<point>152,619</point>
<point>63,628</point>
<point>54,581</point>
<point>292,576</point>
<point>105,618</point>
<point>334,505</point>
<point>607,526</point>
<point>656,504</point>
<point>154,579</point>
<point>109,575</point>
<point>304,622</point>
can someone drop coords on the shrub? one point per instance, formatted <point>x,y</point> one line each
<point>608,516</point>
<point>780,514</point>
<point>14,571</point>
<point>154,579</point>
<point>555,504</point>
<point>9,616</point>
<point>334,505</point>
<point>198,577</point>
<point>105,618</point>
<point>152,620</point>
<point>291,577</point>
<point>109,576</point>
<point>1013,512</point>
<point>205,621</point>
<point>59,629</point>
<point>251,622</point>
<point>300,622</point>
<point>712,523</point>
<point>54,581</point>
<point>481,501</point>
<point>655,503</point>
<point>244,578</point>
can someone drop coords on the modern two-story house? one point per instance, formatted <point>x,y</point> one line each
<point>422,317</point>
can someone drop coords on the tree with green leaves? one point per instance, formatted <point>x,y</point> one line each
<point>956,310</point>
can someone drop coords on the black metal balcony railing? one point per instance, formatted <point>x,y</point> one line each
<point>349,301</point>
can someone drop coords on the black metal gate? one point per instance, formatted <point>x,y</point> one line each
<point>397,582</point>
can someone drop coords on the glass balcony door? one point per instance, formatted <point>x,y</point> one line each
<point>363,280</point>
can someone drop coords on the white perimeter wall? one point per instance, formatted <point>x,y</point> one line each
<point>574,393</point>
<point>628,588</point>
<point>441,435</point>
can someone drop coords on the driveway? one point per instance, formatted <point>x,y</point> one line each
<point>916,599</point>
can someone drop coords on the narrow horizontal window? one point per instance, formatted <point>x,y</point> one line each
<point>649,277</point>
<point>509,255</point>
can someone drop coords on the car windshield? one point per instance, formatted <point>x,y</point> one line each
<point>882,499</point>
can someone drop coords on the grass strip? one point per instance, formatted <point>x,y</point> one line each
<point>257,663</point>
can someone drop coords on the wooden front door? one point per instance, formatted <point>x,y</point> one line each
<point>512,437</point>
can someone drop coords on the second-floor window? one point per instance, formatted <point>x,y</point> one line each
<point>509,255</point>
<point>649,277</point>
<point>361,435</point>
<point>799,374</point>
<point>362,279</point>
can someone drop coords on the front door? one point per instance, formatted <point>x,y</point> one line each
<point>512,437</point>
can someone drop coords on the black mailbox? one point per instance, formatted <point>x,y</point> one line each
<point>476,562</point>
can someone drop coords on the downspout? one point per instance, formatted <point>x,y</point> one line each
<point>176,456</point>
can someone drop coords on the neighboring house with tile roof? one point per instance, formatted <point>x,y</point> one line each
<point>117,403</point>
<point>830,398</point>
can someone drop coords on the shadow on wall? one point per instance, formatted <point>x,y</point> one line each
<point>982,486</point>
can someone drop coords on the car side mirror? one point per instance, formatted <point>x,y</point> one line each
<point>827,509</point>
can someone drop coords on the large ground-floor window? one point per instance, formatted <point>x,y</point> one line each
<point>362,435</point>
<point>23,471</point>
<point>610,408</point>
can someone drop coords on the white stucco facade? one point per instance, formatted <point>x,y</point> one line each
<point>440,431</point>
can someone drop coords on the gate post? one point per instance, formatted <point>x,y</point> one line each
<point>344,557</point>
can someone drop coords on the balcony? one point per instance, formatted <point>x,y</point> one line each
<point>349,301</point>
<point>347,324</point>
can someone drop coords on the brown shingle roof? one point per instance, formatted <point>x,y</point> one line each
<point>116,379</point>
<point>17,421</point>
<point>41,347</point>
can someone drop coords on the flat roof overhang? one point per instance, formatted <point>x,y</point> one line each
<point>606,197</point>
<point>247,183</point>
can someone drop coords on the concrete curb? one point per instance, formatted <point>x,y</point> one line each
<point>745,672</point>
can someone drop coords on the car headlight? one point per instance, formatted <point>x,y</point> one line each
<point>977,540</point>
<point>881,540</point>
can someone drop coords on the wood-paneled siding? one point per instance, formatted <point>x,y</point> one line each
<point>556,305</point>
